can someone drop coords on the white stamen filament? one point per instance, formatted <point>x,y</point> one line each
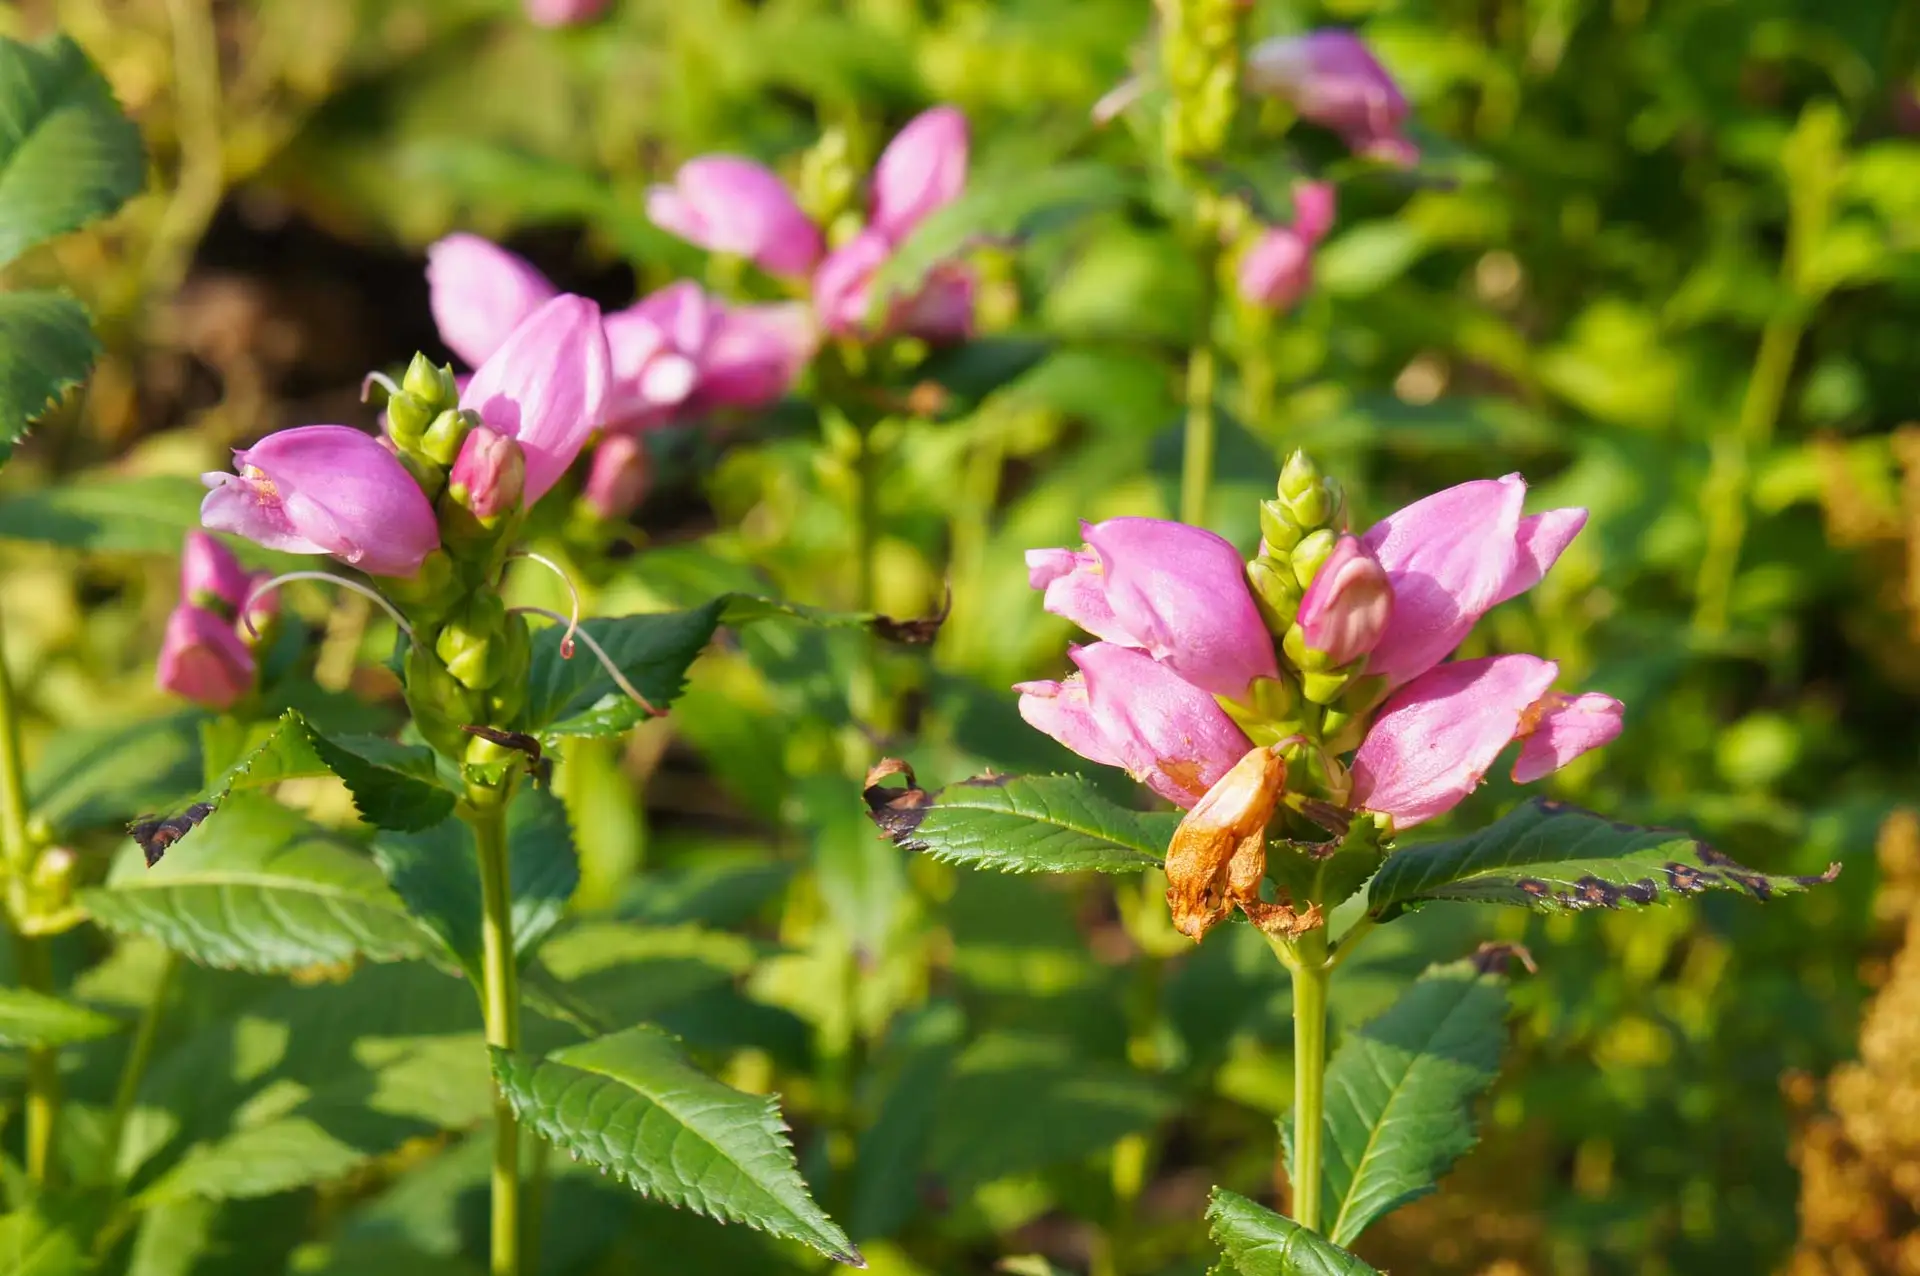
<point>573,622</point>
<point>380,379</point>
<point>599,653</point>
<point>268,586</point>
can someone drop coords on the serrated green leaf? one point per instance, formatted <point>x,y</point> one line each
<point>148,515</point>
<point>1400,1093</point>
<point>67,154</point>
<point>46,347</point>
<point>258,1161</point>
<point>434,871</point>
<point>1556,858</point>
<point>631,1104</point>
<point>97,777</point>
<point>1023,824</point>
<point>1259,1242</point>
<point>33,1019</point>
<point>1327,874</point>
<point>263,889</point>
<point>1001,210</point>
<point>576,696</point>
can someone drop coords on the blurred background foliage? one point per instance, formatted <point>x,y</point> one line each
<point>1664,258</point>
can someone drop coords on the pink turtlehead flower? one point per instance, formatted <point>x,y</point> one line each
<point>479,293</point>
<point>1451,558</point>
<point>211,577</point>
<point>727,204</point>
<point>1558,728</point>
<point>755,355</point>
<point>1345,612</point>
<point>203,660</point>
<point>1175,592</point>
<point>325,489</point>
<point>547,387</point>
<point>1278,269</point>
<point>658,347</point>
<point>564,13</point>
<point>923,169</point>
<point>617,481</point>
<point>1333,79</point>
<point>843,286</point>
<point>1126,709</point>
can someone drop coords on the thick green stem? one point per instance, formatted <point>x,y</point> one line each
<point>1728,487</point>
<point>139,1053</point>
<point>500,1003</point>
<point>1310,978</point>
<point>30,952</point>
<point>1196,465</point>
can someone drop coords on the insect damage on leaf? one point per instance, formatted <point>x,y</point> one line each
<point>156,835</point>
<point>539,767</point>
<point>918,631</point>
<point>898,812</point>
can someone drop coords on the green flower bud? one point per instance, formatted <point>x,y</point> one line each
<point>472,646</point>
<point>444,437</point>
<point>435,387</point>
<point>1294,643</point>
<point>1325,686</point>
<point>1299,475</point>
<point>1342,730</point>
<point>439,703</point>
<point>1309,499</point>
<point>407,419</point>
<point>1275,592</point>
<point>1308,556</point>
<point>427,592</point>
<point>1278,528</point>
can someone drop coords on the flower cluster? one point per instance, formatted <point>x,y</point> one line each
<point>727,204</point>
<point>1276,270</point>
<point>207,654</point>
<point>1325,644</point>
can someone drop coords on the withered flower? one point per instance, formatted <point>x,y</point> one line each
<point>1219,852</point>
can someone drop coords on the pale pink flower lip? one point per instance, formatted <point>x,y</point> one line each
<point>1560,728</point>
<point>729,204</point>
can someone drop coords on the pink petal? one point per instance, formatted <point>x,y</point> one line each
<point>756,354</point>
<point>1170,735</point>
<point>548,386</point>
<point>842,287</point>
<point>1434,739</point>
<point>1540,542</point>
<point>923,169</point>
<point>208,569</point>
<point>1076,589</point>
<point>727,204</point>
<point>1313,204</point>
<point>1563,728</point>
<point>203,659</point>
<point>1061,710</point>
<point>479,293</point>
<point>1277,271</point>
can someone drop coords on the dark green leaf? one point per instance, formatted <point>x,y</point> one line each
<point>46,347</point>
<point>630,1103</point>
<point>1327,873</point>
<point>576,696</point>
<point>1022,824</point>
<point>1259,1242</point>
<point>921,1049</point>
<point>434,871</point>
<point>1556,858</point>
<point>1400,1094</point>
<point>67,154</point>
<point>149,515</point>
<point>261,888</point>
<point>37,1243</point>
<point>33,1019</point>
<point>970,372</point>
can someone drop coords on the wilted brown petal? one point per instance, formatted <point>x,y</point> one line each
<point>1219,853</point>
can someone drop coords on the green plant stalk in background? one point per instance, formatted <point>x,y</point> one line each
<point>1196,462</point>
<point>30,951</point>
<point>486,814</point>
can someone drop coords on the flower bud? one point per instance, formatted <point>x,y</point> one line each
<point>1275,591</point>
<point>203,660</point>
<point>1219,851</point>
<point>470,645</point>
<point>444,438</point>
<point>617,483</point>
<point>1277,528</point>
<point>1332,78</point>
<point>211,578</point>
<point>408,416</point>
<point>433,386</point>
<point>1345,609</point>
<point>490,475</point>
<point>439,703</point>
<point>1307,557</point>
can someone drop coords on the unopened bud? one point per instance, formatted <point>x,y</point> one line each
<point>407,419</point>
<point>617,482</point>
<point>1275,592</point>
<point>444,438</point>
<point>1219,851</point>
<point>1277,528</point>
<point>434,387</point>
<point>438,701</point>
<point>1309,554</point>
<point>1299,475</point>
<point>490,474</point>
<point>1308,499</point>
<point>1345,610</point>
<point>471,644</point>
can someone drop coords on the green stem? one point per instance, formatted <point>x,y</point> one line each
<point>30,952</point>
<point>201,180</point>
<point>1196,464</point>
<point>1310,978</point>
<point>500,1002</point>
<point>139,1054</point>
<point>1729,479</point>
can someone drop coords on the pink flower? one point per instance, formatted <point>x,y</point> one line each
<point>1126,709</point>
<point>843,286</point>
<point>210,576</point>
<point>325,489</point>
<point>756,354</point>
<point>203,660</point>
<point>1451,558</point>
<point>727,204</point>
<point>1176,592</point>
<point>564,13</point>
<point>490,474</point>
<point>1435,738</point>
<point>942,311</point>
<point>923,169</point>
<point>617,483</point>
<point>1345,611</point>
<point>1278,269</point>
<point>547,387</point>
<point>1333,79</point>
<point>479,293</point>
<point>658,345</point>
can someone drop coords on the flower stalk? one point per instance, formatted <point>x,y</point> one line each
<point>1307,963</point>
<point>485,813</point>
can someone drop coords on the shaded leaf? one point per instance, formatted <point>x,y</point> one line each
<point>1400,1094</point>
<point>631,1103</point>
<point>577,697</point>
<point>96,777</point>
<point>1019,824</point>
<point>31,1019</point>
<point>34,1244</point>
<point>148,515</point>
<point>263,889</point>
<point>67,154</point>
<point>1259,1242</point>
<point>921,1049</point>
<point>1556,858</point>
<point>46,348</point>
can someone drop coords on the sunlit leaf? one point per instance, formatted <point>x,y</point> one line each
<point>1556,858</point>
<point>46,348</point>
<point>33,1019</point>
<point>1022,824</point>
<point>1259,1242</point>
<point>631,1104</point>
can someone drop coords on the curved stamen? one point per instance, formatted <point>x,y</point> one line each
<point>600,654</point>
<point>268,586</point>
<point>380,379</point>
<point>573,622</point>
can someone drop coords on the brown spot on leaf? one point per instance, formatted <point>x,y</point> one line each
<point>1687,879</point>
<point>1716,858</point>
<point>155,836</point>
<point>898,812</point>
<point>1535,887</point>
<point>1644,891</point>
<point>919,630</point>
<point>1283,920</point>
<point>1336,820</point>
<point>1754,884</point>
<point>1592,892</point>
